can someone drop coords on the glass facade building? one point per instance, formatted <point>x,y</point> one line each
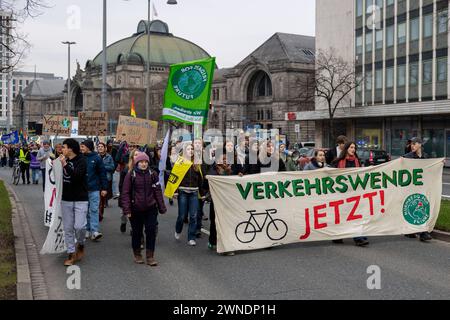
<point>400,51</point>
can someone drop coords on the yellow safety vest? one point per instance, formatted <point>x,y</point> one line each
<point>23,157</point>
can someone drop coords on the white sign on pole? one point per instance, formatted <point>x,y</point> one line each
<point>297,128</point>
<point>53,189</point>
<point>53,215</point>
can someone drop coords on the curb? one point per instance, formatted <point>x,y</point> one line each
<point>441,235</point>
<point>30,278</point>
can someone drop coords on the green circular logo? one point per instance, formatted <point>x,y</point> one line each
<point>66,124</point>
<point>190,82</point>
<point>416,209</point>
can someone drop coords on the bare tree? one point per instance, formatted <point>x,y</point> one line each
<point>14,43</point>
<point>335,79</point>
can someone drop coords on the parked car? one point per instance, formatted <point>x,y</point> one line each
<point>373,157</point>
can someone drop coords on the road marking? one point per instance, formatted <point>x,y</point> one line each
<point>446,183</point>
<point>446,197</point>
<point>205,231</point>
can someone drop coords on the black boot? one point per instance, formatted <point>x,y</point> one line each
<point>425,237</point>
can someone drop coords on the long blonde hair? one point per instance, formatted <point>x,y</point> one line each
<point>131,160</point>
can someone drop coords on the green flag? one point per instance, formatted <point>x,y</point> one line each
<point>188,92</point>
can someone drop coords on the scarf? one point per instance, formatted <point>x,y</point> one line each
<point>343,163</point>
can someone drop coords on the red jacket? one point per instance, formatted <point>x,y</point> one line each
<point>141,191</point>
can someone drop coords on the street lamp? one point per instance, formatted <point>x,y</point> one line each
<point>104,62</point>
<point>69,43</point>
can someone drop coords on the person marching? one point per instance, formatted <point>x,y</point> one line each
<point>97,185</point>
<point>110,167</point>
<point>123,173</point>
<point>4,155</point>
<point>318,162</point>
<point>25,159</point>
<point>218,169</point>
<point>141,200</point>
<point>417,153</point>
<point>75,200</point>
<point>35,164</point>
<point>349,159</point>
<point>334,153</point>
<point>186,179</point>
<point>45,153</point>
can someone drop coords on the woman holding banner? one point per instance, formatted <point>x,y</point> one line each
<point>318,162</point>
<point>349,159</point>
<point>218,169</point>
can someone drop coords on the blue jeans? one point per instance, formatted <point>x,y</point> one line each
<point>115,183</point>
<point>35,174</point>
<point>187,203</point>
<point>93,213</point>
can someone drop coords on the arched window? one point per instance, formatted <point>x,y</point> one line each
<point>260,86</point>
<point>264,87</point>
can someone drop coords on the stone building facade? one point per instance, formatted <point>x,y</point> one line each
<point>256,93</point>
<point>261,90</point>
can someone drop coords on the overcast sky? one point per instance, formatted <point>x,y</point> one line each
<point>227,29</point>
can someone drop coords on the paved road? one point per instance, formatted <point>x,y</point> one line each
<point>409,269</point>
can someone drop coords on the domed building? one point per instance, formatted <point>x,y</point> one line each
<point>127,71</point>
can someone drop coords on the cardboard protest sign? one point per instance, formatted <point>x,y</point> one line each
<point>54,242</point>
<point>137,131</point>
<point>93,123</point>
<point>57,125</point>
<point>272,209</point>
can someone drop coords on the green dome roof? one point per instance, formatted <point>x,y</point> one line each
<point>165,49</point>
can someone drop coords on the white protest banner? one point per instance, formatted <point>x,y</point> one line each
<point>53,215</point>
<point>272,209</point>
<point>53,190</point>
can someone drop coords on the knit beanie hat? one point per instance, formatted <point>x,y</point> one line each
<point>88,144</point>
<point>141,157</point>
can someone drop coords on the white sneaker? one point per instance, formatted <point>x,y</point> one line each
<point>88,235</point>
<point>177,236</point>
<point>192,243</point>
<point>96,236</point>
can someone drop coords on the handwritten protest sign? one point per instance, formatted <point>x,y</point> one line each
<point>136,131</point>
<point>57,125</point>
<point>93,123</point>
<point>53,214</point>
<point>272,209</point>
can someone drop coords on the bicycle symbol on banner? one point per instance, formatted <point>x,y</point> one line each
<point>276,228</point>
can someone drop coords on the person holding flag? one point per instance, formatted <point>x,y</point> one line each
<point>186,182</point>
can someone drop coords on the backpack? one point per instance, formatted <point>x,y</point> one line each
<point>133,181</point>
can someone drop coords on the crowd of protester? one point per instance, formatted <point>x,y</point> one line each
<point>94,173</point>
